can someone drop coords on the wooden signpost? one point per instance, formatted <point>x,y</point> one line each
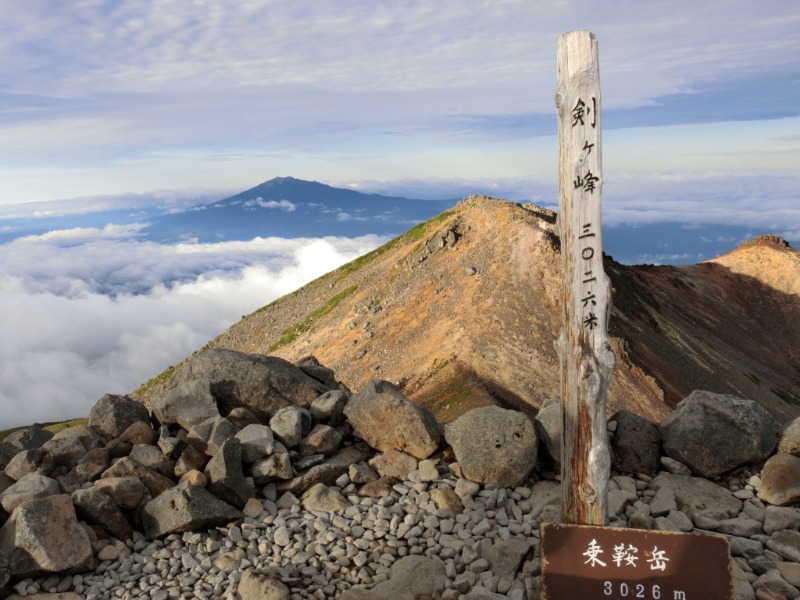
<point>583,557</point>
<point>587,362</point>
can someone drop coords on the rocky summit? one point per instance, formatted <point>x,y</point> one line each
<point>250,477</point>
<point>462,311</point>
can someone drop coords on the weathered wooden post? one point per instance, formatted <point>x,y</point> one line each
<point>587,362</point>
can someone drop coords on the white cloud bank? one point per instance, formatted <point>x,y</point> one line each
<point>106,314</point>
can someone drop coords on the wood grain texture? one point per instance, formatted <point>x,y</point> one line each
<point>587,362</point>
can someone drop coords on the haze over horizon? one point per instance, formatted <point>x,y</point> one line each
<point>107,105</point>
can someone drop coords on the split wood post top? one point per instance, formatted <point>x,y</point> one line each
<point>587,362</point>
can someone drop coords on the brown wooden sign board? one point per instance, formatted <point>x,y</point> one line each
<point>581,562</point>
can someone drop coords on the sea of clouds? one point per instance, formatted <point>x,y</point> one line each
<point>88,311</point>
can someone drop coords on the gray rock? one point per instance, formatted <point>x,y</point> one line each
<point>170,446</point>
<point>778,518</point>
<point>225,477</point>
<point>361,473</point>
<point>113,414</point>
<point>780,480</point>
<point>773,580</point>
<point>320,497</point>
<point>323,439</point>
<point>68,447</point>
<point>619,500</point>
<point>494,445</point>
<point>379,488</point>
<point>97,508</point>
<point>37,460</point>
<point>5,571</point>
<point>242,417</point>
<point>126,492</point>
<point>43,536</point>
<point>696,494</point>
<point>152,458</point>
<point>785,543</point>
<point>262,384</point>
<point>185,508</point>
<point>715,433</point>
<point>674,521</point>
<point>186,404</point>
<point>742,590</point>
<point>663,502</point>
<point>394,463</point>
<point>258,586</point>
<point>544,493</point>
<point>327,472</point>
<point>7,452</point>
<point>29,438</point>
<point>387,420</point>
<point>138,433</point>
<point>91,466</point>
<point>272,468</point>
<point>742,527</point>
<point>412,578</point>
<point>221,431</point>
<point>506,557</point>
<point>29,487</point>
<point>155,482</point>
<point>329,407</point>
<point>290,425</point>
<point>789,442</point>
<point>191,459</point>
<point>312,367</point>
<point>636,444</point>
<point>257,442</point>
<point>549,424</point>
<point>675,467</point>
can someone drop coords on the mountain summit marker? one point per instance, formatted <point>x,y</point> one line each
<point>587,362</point>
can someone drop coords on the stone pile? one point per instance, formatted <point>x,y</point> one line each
<point>250,477</point>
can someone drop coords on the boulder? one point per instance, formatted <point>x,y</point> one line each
<point>312,367</point>
<point>272,468</point>
<point>320,497</point>
<point>30,487</point>
<point>447,499</point>
<point>262,384</point>
<point>412,577</point>
<point>785,543</point>
<point>323,439</point>
<point>126,492</point>
<point>549,423</point>
<point>290,425</point>
<point>715,433</point>
<point>780,480</point>
<point>329,407</point>
<point>777,518</point>
<point>494,445</point>
<point>155,482</point>
<point>221,431</point>
<point>151,457</point>
<point>394,463</point>
<point>636,444</point>
<point>225,477</point>
<point>5,571</point>
<point>97,508</point>
<point>191,459</point>
<point>113,414</point>
<point>693,494</point>
<point>257,442</point>
<point>7,452</point>
<point>327,472</point>
<point>91,466</point>
<point>37,460</point>
<point>186,405</point>
<point>138,433</point>
<point>68,447</point>
<point>242,417</point>
<point>170,446</point>
<point>507,556</point>
<point>29,438</point>
<point>789,442</point>
<point>185,508</point>
<point>387,420</point>
<point>258,586</point>
<point>44,536</point>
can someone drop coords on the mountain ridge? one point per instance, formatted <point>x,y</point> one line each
<point>462,311</point>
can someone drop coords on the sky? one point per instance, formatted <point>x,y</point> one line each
<point>122,104</point>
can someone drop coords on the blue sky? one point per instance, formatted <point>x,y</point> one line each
<point>127,105</point>
<point>104,98</point>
